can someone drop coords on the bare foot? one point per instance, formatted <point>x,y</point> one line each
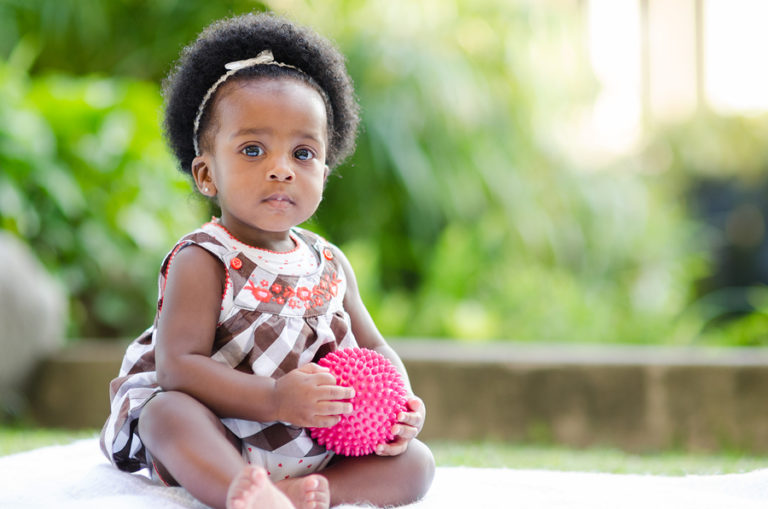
<point>309,492</point>
<point>252,490</point>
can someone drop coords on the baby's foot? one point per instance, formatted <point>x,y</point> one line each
<point>309,492</point>
<point>252,490</point>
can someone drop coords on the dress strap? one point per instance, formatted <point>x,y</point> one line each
<point>321,247</point>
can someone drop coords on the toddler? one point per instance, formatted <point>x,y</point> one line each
<point>217,394</point>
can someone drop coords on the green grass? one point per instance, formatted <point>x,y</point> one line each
<point>550,457</point>
<point>13,440</point>
<point>492,455</point>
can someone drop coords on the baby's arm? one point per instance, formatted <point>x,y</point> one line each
<point>367,335</point>
<point>191,305</point>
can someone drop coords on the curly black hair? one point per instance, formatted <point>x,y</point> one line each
<point>202,63</point>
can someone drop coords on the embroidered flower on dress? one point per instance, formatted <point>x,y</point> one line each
<point>260,294</point>
<point>301,297</point>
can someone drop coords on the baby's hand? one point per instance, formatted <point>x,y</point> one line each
<point>409,424</point>
<point>308,396</point>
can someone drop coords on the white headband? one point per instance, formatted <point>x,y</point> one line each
<point>263,58</point>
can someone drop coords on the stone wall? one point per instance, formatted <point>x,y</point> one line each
<point>634,398</point>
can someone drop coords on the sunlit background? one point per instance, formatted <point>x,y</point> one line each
<point>568,171</point>
<point>664,61</point>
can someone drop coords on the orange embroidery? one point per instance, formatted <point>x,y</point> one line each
<point>303,293</point>
<point>301,297</point>
<point>260,294</point>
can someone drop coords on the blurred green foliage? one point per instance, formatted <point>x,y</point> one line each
<point>130,38</point>
<point>472,224</point>
<point>460,213</point>
<point>87,182</point>
<point>721,164</point>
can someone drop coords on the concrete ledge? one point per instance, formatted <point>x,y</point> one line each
<point>635,398</point>
<point>71,389</point>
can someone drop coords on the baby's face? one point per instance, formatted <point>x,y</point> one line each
<point>267,163</point>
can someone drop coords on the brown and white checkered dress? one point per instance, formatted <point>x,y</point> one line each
<point>269,325</point>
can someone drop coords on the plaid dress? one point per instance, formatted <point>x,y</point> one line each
<point>269,325</point>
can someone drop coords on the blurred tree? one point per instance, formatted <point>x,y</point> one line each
<point>472,223</point>
<point>136,38</point>
<point>721,163</point>
<point>87,182</point>
<point>462,216</point>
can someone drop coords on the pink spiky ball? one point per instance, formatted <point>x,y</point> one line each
<point>379,398</point>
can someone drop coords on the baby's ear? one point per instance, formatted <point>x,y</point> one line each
<point>201,172</point>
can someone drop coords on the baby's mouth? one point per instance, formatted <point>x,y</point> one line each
<point>279,200</point>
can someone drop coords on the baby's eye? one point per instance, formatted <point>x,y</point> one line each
<point>252,151</point>
<point>303,154</point>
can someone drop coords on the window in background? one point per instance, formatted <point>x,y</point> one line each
<point>662,60</point>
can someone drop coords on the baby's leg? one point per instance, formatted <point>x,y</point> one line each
<point>194,449</point>
<point>192,445</point>
<point>382,480</point>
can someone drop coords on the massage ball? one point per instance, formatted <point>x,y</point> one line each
<point>379,398</point>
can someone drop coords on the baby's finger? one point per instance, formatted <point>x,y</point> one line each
<point>324,421</point>
<point>394,448</point>
<point>321,378</point>
<point>414,404</point>
<point>312,368</point>
<point>410,418</point>
<point>334,408</point>
<point>337,392</point>
<point>403,431</point>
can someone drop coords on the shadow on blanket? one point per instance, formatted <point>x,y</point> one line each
<point>78,476</point>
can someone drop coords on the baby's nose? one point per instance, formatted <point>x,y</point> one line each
<point>281,172</point>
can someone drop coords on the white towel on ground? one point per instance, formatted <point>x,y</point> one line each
<point>78,476</point>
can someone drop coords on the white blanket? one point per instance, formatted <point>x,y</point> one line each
<point>78,476</point>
